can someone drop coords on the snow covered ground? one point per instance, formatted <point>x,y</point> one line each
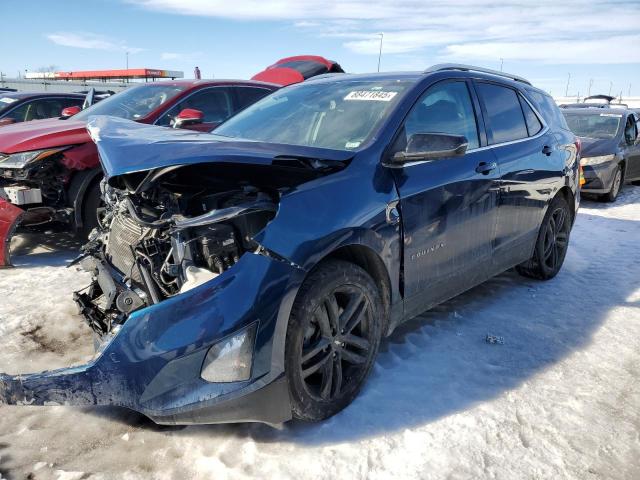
<point>559,399</point>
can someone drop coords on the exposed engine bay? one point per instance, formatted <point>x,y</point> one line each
<point>164,235</point>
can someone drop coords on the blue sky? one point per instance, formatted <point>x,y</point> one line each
<point>543,41</point>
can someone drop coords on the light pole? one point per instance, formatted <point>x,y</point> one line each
<point>590,85</point>
<point>566,90</point>
<point>629,90</point>
<point>610,87</point>
<point>380,51</point>
<point>501,63</point>
<point>127,56</point>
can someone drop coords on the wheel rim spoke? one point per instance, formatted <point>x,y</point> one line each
<point>331,305</point>
<point>337,377</point>
<point>323,322</point>
<point>352,357</point>
<point>327,380</point>
<point>306,372</point>
<point>315,350</point>
<point>356,341</point>
<point>353,313</point>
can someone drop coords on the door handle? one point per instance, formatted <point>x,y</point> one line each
<point>547,150</point>
<point>485,167</point>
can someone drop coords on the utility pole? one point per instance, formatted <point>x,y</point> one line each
<point>590,85</point>
<point>566,90</point>
<point>380,52</point>
<point>501,63</point>
<point>629,90</point>
<point>127,56</point>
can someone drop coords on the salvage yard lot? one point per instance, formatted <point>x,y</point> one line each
<point>559,399</point>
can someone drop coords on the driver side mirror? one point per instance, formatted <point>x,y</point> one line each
<point>70,111</point>
<point>431,146</point>
<point>188,116</point>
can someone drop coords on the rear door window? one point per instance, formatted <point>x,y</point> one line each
<point>505,117</point>
<point>547,108</point>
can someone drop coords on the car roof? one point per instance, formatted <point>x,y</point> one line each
<point>463,71</point>
<point>212,82</point>
<point>596,110</point>
<point>347,77</point>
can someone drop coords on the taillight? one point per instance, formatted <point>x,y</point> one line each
<point>578,144</point>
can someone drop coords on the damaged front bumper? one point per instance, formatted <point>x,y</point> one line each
<point>153,363</point>
<point>10,217</point>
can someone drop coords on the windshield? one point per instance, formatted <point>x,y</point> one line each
<point>133,103</point>
<point>341,115</point>
<point>604,125</point>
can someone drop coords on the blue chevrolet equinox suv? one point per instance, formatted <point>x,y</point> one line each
<point>249,274</point>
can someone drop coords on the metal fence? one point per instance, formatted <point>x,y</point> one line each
<point>59,86</point>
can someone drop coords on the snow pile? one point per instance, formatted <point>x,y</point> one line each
<point>557,399</point>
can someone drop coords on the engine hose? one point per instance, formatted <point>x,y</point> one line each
<point>149,224</point>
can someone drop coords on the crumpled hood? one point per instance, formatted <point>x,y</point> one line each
<point>127,147</point>
<point>39,134</point>
<point>594,147</point>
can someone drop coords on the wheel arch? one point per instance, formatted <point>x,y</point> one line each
<point>568,196</point>
<point>80,184</point>
<point>367,259</point>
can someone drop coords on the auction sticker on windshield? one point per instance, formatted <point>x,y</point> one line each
<point>375,96</point>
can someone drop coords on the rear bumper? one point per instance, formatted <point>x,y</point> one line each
<point>152,363</point>
<point>10,217</point>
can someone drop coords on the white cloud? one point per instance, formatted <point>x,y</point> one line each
<point>169,56</point>
<point>91,41</point>
<point>180,56</point>
<point>602,51</point>
<point>447,29</point>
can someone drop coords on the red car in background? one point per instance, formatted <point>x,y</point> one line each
<point>49,169</point>
<point>17,107</point>
<point>296,69</point>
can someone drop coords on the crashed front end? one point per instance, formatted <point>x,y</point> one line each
<point>35,191</point>
<point>187,308</point>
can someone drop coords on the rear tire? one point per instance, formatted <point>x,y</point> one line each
<point>616,185</point>
<point>332,339</point>
<point>551,244</point>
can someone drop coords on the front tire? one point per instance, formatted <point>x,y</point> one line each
<point>92,210</point>
<point>552,243</point>
<point>332,339</point>
<point>616,185</point>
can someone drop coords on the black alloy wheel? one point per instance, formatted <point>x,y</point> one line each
<point>552,243</point>
<point>556,239</point>
<point>333,339</point>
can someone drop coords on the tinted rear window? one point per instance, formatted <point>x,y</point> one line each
<point>505,114</point>
<point>533,122</point>
<point>547,108</point>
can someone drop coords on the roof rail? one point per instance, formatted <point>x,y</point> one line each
<point>470,68</point>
